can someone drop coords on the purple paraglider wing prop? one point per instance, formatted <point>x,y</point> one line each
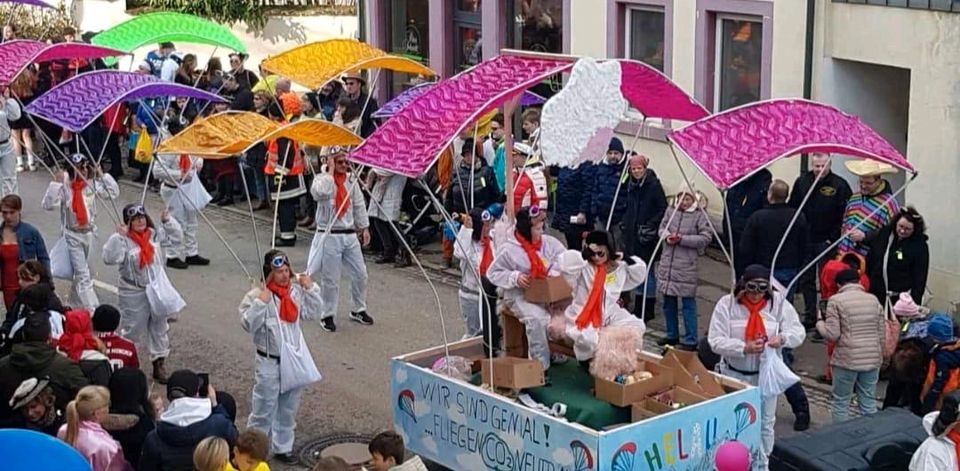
<point>76,103</point>
<point>399,102</point>
<point>36,3</point>
<point>729,147</point>
<point>17,55</point>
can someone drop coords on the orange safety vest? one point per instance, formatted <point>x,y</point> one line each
<point>953,380</point>
<point>273,157</point>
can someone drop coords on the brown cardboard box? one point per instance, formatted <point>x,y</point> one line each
<point>691,374</point>
<point>678,394</point>
<point>622,395</point>
<point>513,373</point>
<point>645,409</point>
<point>653,406</point>
<point>549,290</point>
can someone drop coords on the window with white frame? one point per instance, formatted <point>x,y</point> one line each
<point>738,61</point>
<point>644,35</point>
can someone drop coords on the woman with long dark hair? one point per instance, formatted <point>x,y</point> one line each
<point>899,258</point>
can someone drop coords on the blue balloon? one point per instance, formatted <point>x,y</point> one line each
<point>26,450</point>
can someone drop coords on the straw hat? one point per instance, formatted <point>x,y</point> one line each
<point>355,75</point>
<point>869,168</point>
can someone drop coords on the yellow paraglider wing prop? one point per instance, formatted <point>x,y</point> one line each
<point>313,65</point>
<point>219,136</point>
<point>313,132</point>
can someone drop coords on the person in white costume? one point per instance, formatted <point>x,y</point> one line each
<point>340,201</point>
<point>939,451</point>
<point>527,254</point>
<point>146,297</point>
<point>272,314</point>
<point>742,326</point>
<point>71,254</point>
<point>9,112</point>
<point>475,247</point>
<point>185,197</point>
<point>598,276</point>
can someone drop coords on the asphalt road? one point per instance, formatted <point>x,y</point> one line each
<point>352,397</point>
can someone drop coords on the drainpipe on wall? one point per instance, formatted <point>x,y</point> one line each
<point>808,64</point>
<point>362,20</point>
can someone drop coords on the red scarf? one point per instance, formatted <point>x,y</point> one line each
<point>184,164</point>
<point>537,270</point>
<point>142,239</point>
<point>343,199</point>
<point>77,203</point>
<point>592,312</point>
<point>288,308</point>
<point>954,436</point>
<point>486,257</point>
<point>756,329</point>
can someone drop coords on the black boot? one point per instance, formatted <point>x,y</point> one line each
<point>797,398</point>
<point>159,372</point>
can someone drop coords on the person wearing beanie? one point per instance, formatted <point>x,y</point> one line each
<point>646,207</point>
<point>525,255</point>
<point>272,314</point>
<point>595,211</point>
<point>598,274</point>
<point>121,351</point>
<point>906,308</point>
<point>743,324</point>
<point>854,320</point>
<point>943,373</point>
<point>191,416</point>
<point>136,249</point>
<point>939,452</point>
<point>686,234</point>
<point>74,192</point>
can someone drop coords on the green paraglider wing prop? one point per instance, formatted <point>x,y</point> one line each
<point>154,28</point>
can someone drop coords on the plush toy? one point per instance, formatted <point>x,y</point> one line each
<point>616,352</point>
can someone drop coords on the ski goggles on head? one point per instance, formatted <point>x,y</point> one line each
<point>486,216</point>
<point>77,159</point>
<point>757,286</point>
<point>279,261</point>
<point>533,211</point>
<point>134,211</point>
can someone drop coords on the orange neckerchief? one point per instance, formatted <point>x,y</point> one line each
<point>288,308</point>
<point>486,257</point>
<point>537,270</point>
<point>142,239</point>
<point>954,436</point>
<point>342,199</point>
<point>755,326</point>
<point>184,164</point>
<point>77,203</point>
<point>592,312</point>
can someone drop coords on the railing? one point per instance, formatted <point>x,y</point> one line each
<point>932,5</point>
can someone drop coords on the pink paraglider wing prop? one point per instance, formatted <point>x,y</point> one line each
<point>730,146</point>
<point>18,54</point>
<point>654,95</point>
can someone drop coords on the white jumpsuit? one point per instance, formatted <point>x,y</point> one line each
<point>726,336</point>
<point>184,196</point>
<point>137,316</point>
<point>937,452</point>
<point>273,412</point>
<point>580,274</point>
<point>9,113</point>
<point>470,252</point>
<point>339,248</point>
<point>77,238</point>
<point>509,263</point>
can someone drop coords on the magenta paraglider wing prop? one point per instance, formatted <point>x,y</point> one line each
<point>412,140</point>
<point>730,146</point>
<point>36,3</point>
<point>17,55</point>
<point>399,102</point>
<point>76,103</point>
<point>656,96</point>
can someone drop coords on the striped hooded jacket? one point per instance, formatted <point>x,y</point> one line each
<point>859,208</point>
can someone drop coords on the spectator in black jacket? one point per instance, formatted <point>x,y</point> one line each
<point>472,185</point>
<point>187,420</point>
<point>901,250</point>
<point>744,199</point>
<point>766,228</point>
<point>598,206</point>
<point>646,205</point>
<point>573,192</point>
<point>129,400</point>
<point>824,212</point>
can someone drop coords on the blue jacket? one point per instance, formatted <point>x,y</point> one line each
<point>945,361</point>
<point>31,244</point>
<point>573,193</point>
<point>606,177</point>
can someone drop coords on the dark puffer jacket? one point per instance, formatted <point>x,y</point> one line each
<point>573,193</point>
<point>182,426</point>
<point>605,180</point>
<point>36,360</point>
<point>646,204</point>
<point>485,189</point>
<point>908,263</point>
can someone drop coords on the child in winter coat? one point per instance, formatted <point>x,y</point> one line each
<point>686,234</point>
<point>598,276</point>
<point>943,373</point>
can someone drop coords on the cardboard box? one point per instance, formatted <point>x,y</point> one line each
<point>677,394</point>
<point>548,290</point>
<point>513,373</point>
<point>645,409</point>
<point>691,374</point>
<point>622,395</point>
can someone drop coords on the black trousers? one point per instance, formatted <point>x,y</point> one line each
<point>287,218</point>
<point>112,154</point>
<point>387,236</point>
<point>492,332</point>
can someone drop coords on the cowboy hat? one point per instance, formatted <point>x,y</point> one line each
<point>353,74</point>
<point>869,168</point>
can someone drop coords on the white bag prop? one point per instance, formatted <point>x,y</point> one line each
<point>60,265</point>
<point>196,193</point>
<point>297,368</point>
<point>163,297</point>
<point>775,376</point>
